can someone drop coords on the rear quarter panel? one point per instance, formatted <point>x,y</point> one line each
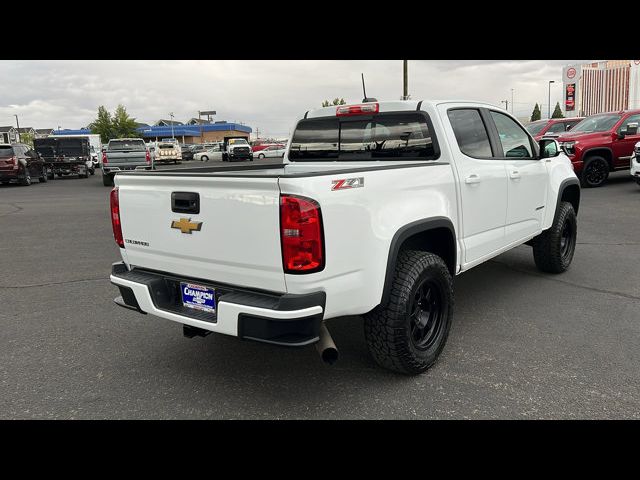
<point>360,223</point>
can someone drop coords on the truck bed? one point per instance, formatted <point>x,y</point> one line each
<point>285,170</point>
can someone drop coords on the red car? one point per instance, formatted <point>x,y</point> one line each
<point>551,127</point>
<point>600,144</point>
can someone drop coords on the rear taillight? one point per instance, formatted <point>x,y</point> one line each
<point>14,161</point>
<point>104,158</point>
<point>147,157</point>
<point>115,218</point>
<point>301,235</point>
<point>364,109</point>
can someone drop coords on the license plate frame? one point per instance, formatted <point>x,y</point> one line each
<point>198,297</point>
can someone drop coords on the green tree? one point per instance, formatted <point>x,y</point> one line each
<point>103,125</point>
<point>536,115</point>
<point>557,113</point>
<point>26,138</point>
<point>123,125</point>
<point>336,101</point>
<point>116,125</point>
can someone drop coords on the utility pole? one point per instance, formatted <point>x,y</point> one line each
<point>200,125</point>
<point>549,106</point>
<point>171,115</point>
<point>405,90</point>
<point>18,131</point>
<point>512,101</point>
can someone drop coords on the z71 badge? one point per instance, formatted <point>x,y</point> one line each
<point>347,183</point>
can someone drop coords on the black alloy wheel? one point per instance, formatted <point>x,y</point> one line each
<point>596,172</point>
<point>427,315</point>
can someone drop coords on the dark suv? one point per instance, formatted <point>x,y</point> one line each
<point>20,163</point>
<point>600,144</point>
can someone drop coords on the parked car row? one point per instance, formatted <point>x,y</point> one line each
<point>49,157</point>
<point>596,145</point>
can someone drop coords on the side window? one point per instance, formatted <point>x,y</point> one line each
<point>557,128</point>
<point>515,141</point>
<point>631,119</point>
<point>470,132</point>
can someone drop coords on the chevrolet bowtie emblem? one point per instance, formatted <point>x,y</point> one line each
<point>185,225</point>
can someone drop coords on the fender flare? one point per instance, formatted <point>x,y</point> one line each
<point>589,150</point>
<point>419,226</point>
<point>563,186</point>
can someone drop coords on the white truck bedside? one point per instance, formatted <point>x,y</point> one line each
<point>374,210</point>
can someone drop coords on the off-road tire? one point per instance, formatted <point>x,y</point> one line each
<point>594,172</point>
<point>388,328</point>
<point>107,180</point>
<point>550,254</point>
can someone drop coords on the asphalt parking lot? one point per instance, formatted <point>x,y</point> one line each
<point>523,345</point>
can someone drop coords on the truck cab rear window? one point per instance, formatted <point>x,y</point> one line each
<point>127,145</point>
<point>385,136</point>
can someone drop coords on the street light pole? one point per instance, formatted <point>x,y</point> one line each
<point>171,115</point>
<point>512,101</point>
<point>549,105</point>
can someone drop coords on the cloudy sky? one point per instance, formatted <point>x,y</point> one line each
<point>266,94</point>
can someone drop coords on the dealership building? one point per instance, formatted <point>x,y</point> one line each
<point>213,132</point>
<point>601,87</point>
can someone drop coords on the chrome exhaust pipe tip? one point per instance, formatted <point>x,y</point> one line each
<point>325,346</point>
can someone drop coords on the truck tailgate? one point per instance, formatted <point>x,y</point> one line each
<point>123,157</point>
<point>238,242</point>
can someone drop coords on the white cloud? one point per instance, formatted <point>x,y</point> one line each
<point>266,94</point>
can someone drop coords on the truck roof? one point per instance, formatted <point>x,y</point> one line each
<point>395,106</point>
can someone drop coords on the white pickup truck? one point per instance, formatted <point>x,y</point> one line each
<point>374,210</point>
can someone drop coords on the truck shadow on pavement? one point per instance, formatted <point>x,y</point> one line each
<point>269,373</point>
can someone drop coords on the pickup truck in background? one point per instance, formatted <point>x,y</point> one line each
<point>65,155</point>
<point>601,144</point>
<point>236,149</point>
<point>373,210</point>
<point>124,154</point>
<point>168,150</point>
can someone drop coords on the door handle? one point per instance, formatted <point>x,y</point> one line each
<point>514,174</point>
<point>473,178</point>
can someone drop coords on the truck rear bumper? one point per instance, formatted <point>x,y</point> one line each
<point>123,168</point>
<point>281,319</point>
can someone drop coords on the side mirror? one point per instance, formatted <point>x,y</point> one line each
<point>549,147</point>
<point>632,128</point>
